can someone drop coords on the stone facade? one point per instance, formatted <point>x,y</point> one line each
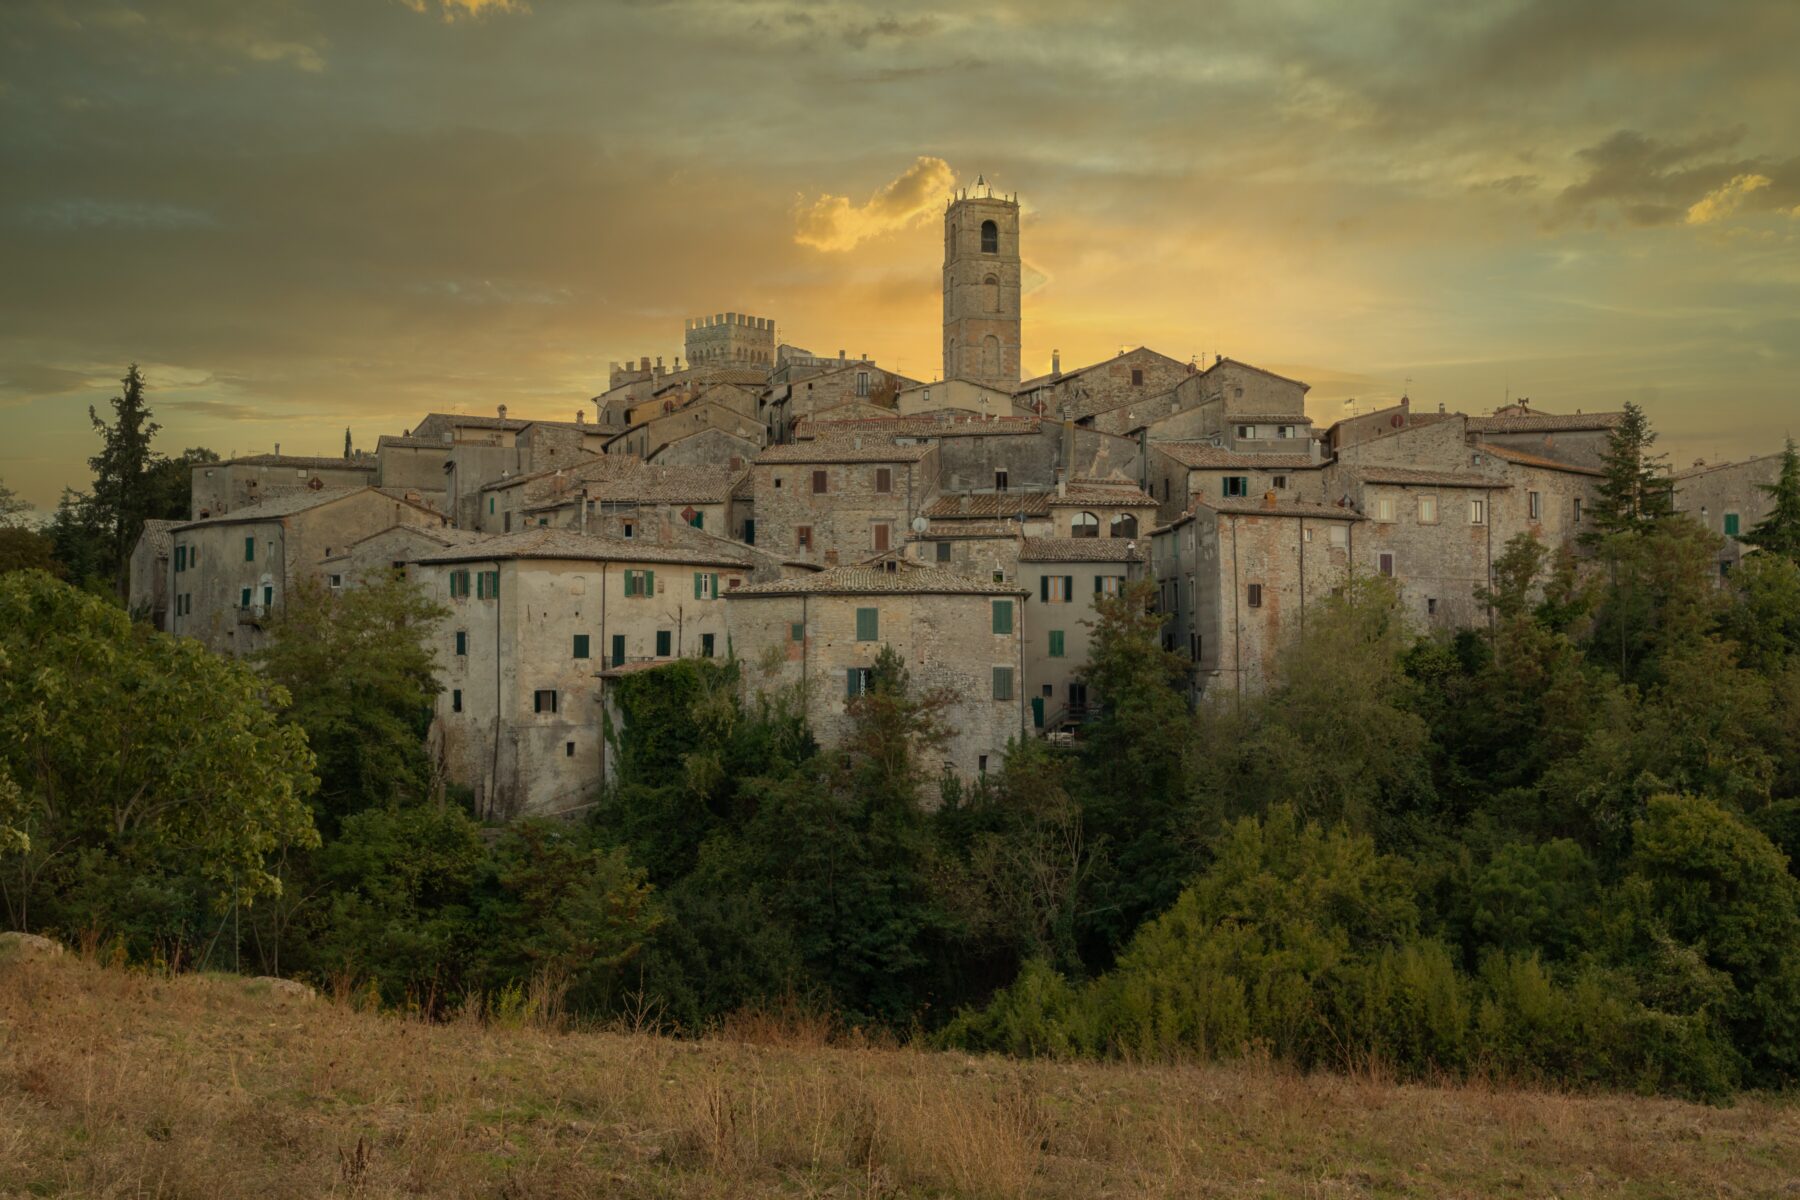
<point>148,590</point>
<point>1079,395</point>
<point>961,395</point>
<point>534,619</point>
<point>710,447</point>
<point>648,439</point>
<point>840,498</point>
<point>963,635</point>
<point>1062,578</point>
<point>731,338</point>
<point>1182,473</point>
<point>226,573</point>
<point>982,289</point>
<point>1728,499</point>
<point>222,487</point>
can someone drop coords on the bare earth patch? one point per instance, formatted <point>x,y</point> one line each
<point>118,1083</point>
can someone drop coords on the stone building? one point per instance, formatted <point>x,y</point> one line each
<point>1235,578</point>
<point>1353,430</point>
<point>1130,377</point>
<point>649,438</point>
<point>731,338</point>
<point>227,573</point>
<point>535,616</point>
<point>147,592</point>
<point>1099,508</point>
<point>960,395</point>
<point>390,549</point>
<point>840,498</point>
<point>221,487</point>
<point>1062,578</point>
<point>852,381</point>
<point>982,289</point>
<point>1728,498</point>
<point>1578,438</point>
<point>710,448</point>
<point>1184,472</point>
<point>820,635</point>
<point>645,500</point>
<point>1027,512</point>
<point>976,548</point>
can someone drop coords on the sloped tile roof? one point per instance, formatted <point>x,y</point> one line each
<point>297,461</point>
<point>989,505</point>
<point>875,578</point>
<point>842,448</point>
<point>1545,423</point>
<point>1205,455</point>
<point>1534,460</point>
<point>1058,550</point>
<point>571,544</point>
<point>298,501</point>
<point>1412,477</point>
<point>1084,492</point>
<point>942,530</point>
<point>1250,507</point>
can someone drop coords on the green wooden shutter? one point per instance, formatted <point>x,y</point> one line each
<point>581,645</point>
<point>268,596</point>
<point>699,585</point>
<point>1003,683</point>
<point>244,598</point>
<point>249,549</point>
<point>1056,643</point>
<point>868,625</point>
<point>1044,588</point>
<point>618,649</point>
<point>1003,616</point>
<point>715,585</point>
<point>649,583</point>
<point>798,632</point>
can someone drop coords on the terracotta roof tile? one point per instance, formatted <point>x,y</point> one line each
<point>1205,455</point>
<point>583,547</point>
<point>1534,460</point>
<point>1545,423</point>
<point>1055,550</point>
<point>842,449</point>
<point>1412,477</point>
<point>988,505</point>
<point>875,577</point>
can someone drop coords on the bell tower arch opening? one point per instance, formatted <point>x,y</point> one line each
<point>982,275</point>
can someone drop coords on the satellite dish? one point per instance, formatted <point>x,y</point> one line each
<point>920,525</point>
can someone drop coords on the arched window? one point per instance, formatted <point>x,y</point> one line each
<point>1085,525</point>
<point>990,238</point>
<point>1124,526</point>
<point>990,293</point>
<point>990,355</point>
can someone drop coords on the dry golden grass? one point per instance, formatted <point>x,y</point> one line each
<point>116,1083</point>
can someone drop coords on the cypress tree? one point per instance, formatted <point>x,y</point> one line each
<point>1635,490</point>
<point>121,496</point>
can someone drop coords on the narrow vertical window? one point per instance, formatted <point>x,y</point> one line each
<point>1003,616</point>
<point>868,625</point>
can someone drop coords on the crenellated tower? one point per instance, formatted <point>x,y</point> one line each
<point>981,288</point>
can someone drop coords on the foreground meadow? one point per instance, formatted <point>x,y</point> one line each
<point>121,1083</point>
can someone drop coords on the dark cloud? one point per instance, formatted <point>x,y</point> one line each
<point>1650,181</point>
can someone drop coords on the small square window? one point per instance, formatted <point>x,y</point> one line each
<point>543,700</point>
<point>1253,595</point>
<point>819,482</point>
<point>943,552</point>
<point>797,632</point>
<point>1278,482</point>
<point>1385,564</point>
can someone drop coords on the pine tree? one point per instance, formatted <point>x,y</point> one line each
<point>121,495</point>
<point>1635,490</point>
<point>1779,532</point>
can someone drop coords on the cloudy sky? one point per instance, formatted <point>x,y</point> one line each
<point>302,215</point>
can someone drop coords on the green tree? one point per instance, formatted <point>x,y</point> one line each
<point>12,508</point>
<point>170,485</point>
<point>359,668</point>
<point>122,473</point>
<point>24,549</point>
<point>78,541</point>
<point>1779,531</point>
<point>137,754</point>
<point>1634,491</point>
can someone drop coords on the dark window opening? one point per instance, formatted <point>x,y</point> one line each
<point>1254,596</point>
<point>543,701</point>
<point>990,238</point>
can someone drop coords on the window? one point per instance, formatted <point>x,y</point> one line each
<point>1431,606</point>
<point>1056,643</point>
<point>1306,533</point>
<point>943,552</point>
<point>487,585</point>
<point>884,480</point>
<point>1108,585</point>
<point>862,383</point>
<point>699,521</point>
<point>990,238</point>
<point>336,581</point>
<point>1384,509</point>
<point>1056,589</point>
<point>181,558</point>
<point>640,583</point>
<point>818,483</point>
<point>249,549</point>
<point>490,506</point>
<point>268,597</point>
<point>803,537</point>
<point>1478,512</point>
<point>1284,431</point>
<point>1278,482</point>
<point>630,530</point>
<point>1003,616</point>
<point>999,481</point>
<point>857,680</point>
<point>1084,525</point>
<point>706,645</point>
<point>1077,696</point>
<point>581,645</point>
<point>1253,595</point>
<point>569,749</point>
<point>1003,683</point>
<point>543,700</point>
<point>879,535</point>
<point>664,640</point>
<point>462,643</point>
<point>1236,485</point>
<point>868,625</point>
<point>1428,512</point>
<point>797,632</point>
<point>1137,377</point>
<point>706,585</point>
<point>981,764</point>
<point>1124,526</point>
<point>1340,536</point>
<point>618,650</point>
<point>456,700</point>
<point>1578,510</point>
<point>1385,564</point>
<point>1731,524</point>
<point>749,531</point>
<point>244,598</point>
<point>1247,432</point>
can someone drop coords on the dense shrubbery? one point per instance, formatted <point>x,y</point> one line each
<point>1559,848</point>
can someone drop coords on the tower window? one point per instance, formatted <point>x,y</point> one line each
<point>990,238</point>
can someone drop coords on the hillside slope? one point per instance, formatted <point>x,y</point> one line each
<point>120,1083</point>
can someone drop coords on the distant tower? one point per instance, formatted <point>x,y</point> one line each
<point>981,288</point>
<point>348,453</point>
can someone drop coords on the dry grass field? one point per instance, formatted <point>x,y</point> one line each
<point>118,1083</point>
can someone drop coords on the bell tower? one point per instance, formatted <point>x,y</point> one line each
<point>981,288</point>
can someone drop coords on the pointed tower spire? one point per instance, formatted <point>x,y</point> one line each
<point>348,453</point>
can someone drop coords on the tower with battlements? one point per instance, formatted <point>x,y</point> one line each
<point>981,288</point>
<point>736,339</point>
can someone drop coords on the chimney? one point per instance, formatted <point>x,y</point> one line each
<point>840,356</point>
<point>962,503</point>
<point>1062,483</point>
<point>644,364</point>
<point>831,557</point>
<point>581,416</point>
<point>277,449</point>
<point>662,529</point>
<point>1440,406</point>
<point>1269,499</point>
<point>1217,359</point>
<point>1056,362</point>
<point>503,412</point>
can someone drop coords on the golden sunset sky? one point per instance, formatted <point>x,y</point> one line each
<point>301,216</point>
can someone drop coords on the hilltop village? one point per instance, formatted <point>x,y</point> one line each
<point>800,511</point>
